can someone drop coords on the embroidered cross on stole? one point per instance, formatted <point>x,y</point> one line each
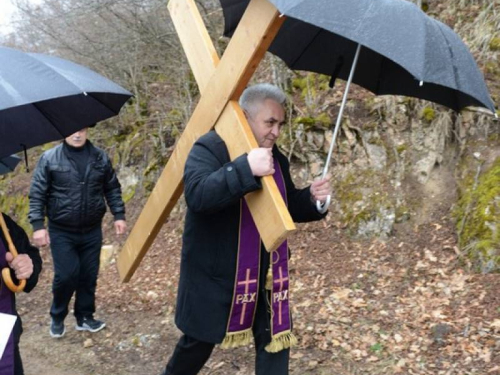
<point>246,285</point>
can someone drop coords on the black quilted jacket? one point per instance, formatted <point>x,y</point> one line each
<point>70,202</point>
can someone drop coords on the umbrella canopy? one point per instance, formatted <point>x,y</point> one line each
<point>44,98</point>
<point>8,164</point>
<point>405,52</point>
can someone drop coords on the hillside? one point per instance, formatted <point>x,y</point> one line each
<point>401,278</point>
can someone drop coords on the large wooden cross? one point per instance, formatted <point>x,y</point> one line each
<point>221,82</point>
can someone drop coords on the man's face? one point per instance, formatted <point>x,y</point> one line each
<point>266,122</point>
<point>77,139</point>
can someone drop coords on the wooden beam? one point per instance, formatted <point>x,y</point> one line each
<point>199,49</point>
<point>268,209</point>
<point>256,30</point>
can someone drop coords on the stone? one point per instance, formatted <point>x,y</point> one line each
<point>107,255</point>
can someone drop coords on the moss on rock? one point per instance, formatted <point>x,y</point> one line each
<point>311,84</point>
<point>495,43</point>
<point>17,206</point>
<point>428,114</point>
<point>321,121</point>
<point>478,219</point>
<point>364,208</point>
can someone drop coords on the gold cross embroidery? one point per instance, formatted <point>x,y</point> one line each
<point>221,82</point>
<point>247,283</point>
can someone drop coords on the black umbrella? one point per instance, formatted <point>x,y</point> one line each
<point>44,98</point>
<point>405,52</point>
<point>385,46</point>
<point>8,164</point>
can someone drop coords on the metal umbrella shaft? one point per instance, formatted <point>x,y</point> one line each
<point>322,207</point>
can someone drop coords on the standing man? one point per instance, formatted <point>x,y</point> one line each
<point>69,186</point>
<point>229,290</point>
<point>26,266</point>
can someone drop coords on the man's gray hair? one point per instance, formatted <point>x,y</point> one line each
<point>259,93</point>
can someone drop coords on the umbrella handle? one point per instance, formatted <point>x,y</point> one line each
<point>7,279</point>
<point>6,271</point>
<point>323,207</point>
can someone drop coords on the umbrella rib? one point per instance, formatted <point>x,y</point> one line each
<point>104,104</point>
<point>455,72</point>
<point>48,119</point>
<point>305,49</point>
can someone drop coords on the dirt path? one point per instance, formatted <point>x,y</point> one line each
<point>37,364</point>
<point>404,306</point>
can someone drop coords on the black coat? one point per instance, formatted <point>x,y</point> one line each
<point>20,240</point>
<point>71,203</point>
<point>213,187</point>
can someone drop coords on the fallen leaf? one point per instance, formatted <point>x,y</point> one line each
<point>88,343</point>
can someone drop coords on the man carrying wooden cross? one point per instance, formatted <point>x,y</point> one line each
<point>231,289</point>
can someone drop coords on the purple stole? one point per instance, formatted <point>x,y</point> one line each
<point>246,285</point>
<point>7,360</point>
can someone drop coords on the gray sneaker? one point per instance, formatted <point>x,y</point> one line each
<point>89,324</point>
<point>57,329</point>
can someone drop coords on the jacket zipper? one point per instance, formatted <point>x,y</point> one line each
<point>84,189</point>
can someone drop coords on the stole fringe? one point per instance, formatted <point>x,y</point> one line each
<point>283,340</point>
<point>234,340</point>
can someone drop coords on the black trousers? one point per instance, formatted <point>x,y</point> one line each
<point>18,363</point>
<point>76,266</point>
<point>190,355</point>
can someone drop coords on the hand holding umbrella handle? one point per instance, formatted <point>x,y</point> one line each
<point>323,207</point>
<point>6,271</point>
